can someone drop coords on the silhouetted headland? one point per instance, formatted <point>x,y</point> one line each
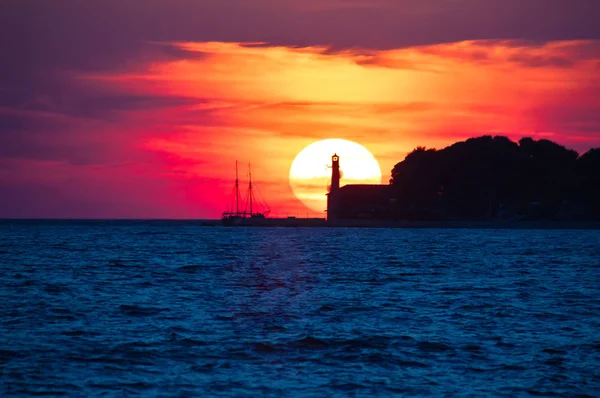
<point>481,181</point>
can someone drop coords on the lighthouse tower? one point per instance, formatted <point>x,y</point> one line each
<point>334,191</point>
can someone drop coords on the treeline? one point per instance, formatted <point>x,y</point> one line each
<point>494,177</point>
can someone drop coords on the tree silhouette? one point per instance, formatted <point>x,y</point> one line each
<point>588,182</point>
<point>494,177</point>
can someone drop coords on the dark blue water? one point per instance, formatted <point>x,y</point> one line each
<point>172,309</point>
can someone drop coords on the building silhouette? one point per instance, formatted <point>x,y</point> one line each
<point>356,201</point>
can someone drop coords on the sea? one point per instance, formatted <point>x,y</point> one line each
<point>175,309</point>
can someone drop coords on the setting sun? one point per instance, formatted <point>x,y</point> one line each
<point>310,172</point>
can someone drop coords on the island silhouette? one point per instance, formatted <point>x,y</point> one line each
<point>482,178</point>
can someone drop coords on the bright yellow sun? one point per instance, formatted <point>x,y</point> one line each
<point>310,173</point>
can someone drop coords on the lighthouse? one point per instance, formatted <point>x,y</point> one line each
<point>333,196</point>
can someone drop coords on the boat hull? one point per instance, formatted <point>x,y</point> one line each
<point>275,222</point>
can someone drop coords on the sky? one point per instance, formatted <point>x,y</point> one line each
<point>140,108</point>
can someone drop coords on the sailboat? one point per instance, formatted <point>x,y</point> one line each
<point>246,214</point>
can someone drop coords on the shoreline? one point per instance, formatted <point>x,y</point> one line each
<point>387,224</point>
<point>484,224</point>
<point>318,223</point>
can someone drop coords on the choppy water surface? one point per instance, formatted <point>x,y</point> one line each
<point>172,309</point>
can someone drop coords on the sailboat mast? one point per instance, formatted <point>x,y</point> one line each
<point>250,186</point>
<point>237,190</point>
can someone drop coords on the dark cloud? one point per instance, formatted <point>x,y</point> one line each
<point>101,106</point>
<point>539,61</point>
<point>42,39</point>
<point>45,111</point>
<point>42,145</point>
<point>96,34</point>
<point>88,128</point>
<point>45,136</point>
<point>13,123</point>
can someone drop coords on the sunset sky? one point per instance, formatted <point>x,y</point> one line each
<point>139,108</point>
